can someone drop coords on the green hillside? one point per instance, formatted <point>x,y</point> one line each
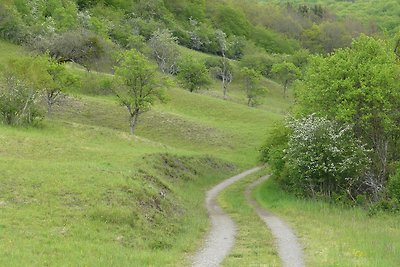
<point>216,87</point>
<point>78,185</point>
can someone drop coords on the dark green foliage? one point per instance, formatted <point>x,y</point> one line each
<point>21,87</point>
<point>393,188</point>
<point>273,149</point>
<point>12,27</point>
<point>137,85</point>
<point>252,86</point>
<point>359,85</point>
<point>236,47</point>
<point>78,46</point>
<point>262,62</point>
<point>85,4</point>
<point>232,21</point>
<point>273,42</point>
<point>184,10</point>
<point>193,74</point>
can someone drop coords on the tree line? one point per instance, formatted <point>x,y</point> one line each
<point>341,141</point>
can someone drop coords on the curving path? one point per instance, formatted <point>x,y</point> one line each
<point>221,237</point>
<point>289,249</point>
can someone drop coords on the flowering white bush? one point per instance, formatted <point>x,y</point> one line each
<point>324,156</point>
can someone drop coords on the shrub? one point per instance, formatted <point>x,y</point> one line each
<point>19,103</point>
<point>94,84</point>
<point>325,158</point>
<point>79,46</point>
<point>393,186</point>
<point>193,74</point>
<point>12,27</point>
<point>261,62</point>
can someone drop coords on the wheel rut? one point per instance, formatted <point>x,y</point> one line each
<point>221,236</point>
<point>289,249</point>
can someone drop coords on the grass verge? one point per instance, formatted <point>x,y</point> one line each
<point>333,235</point>
<point>254,242</point>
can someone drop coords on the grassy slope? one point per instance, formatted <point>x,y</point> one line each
<point>78,190</point>
<point>336,236</point>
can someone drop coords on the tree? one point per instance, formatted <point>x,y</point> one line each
<point>286,72</point>
<point>137,85</point>
<point>193,74</point>
<point>165,50</point>
<point>224,71</point>
<point>359,85</point>
<point>252,86</point>
<point>60,79</point>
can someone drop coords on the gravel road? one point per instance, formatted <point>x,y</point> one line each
<point>289,249</point>
<point>221,236</point>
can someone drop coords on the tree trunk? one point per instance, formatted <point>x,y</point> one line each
<point>249,102</point>
<point>285,88</point>
<point>49,104</point>
<point>224,88</point>
<point>133,119</point>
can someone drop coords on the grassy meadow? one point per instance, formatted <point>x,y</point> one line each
<point>78,190</point>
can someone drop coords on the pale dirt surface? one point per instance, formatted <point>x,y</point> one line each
<point>221,236</point>
<point>289,249</point>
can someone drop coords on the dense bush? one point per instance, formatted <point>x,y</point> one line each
<point>359,85</point>
<point>21,89</point>
<point>322,158</point>
<point>393,186</point>
<point>231,20</point>
<point>262,62</point>
<point>193,74</point>
<point>12,27</point>
<point>78,46</point>
<point>273,42</point>
<point>19,104</point>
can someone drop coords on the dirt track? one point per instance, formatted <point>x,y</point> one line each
<point>221,237</point>
<point>289,248</point>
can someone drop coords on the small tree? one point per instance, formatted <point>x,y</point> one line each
<point>193,74</point>
<point>137,86</point>
<point>286,72</point>
<point>252,85</point>
<point>225,71</point>
<point>54,91</point>
<point>165,50</point>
